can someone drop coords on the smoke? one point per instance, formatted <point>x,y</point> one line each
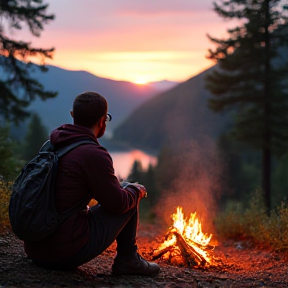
<point>197,186</point>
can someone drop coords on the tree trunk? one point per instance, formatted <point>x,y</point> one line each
<point>266,152</point>
<point>266,177</point>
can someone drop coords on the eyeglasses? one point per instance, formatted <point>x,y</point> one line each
<point>108,117</point>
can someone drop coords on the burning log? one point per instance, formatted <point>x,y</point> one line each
<point>193,254</point>
<point>190,256</point>
<point>162,252</point>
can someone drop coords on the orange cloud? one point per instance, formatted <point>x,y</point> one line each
<point>129,40</point>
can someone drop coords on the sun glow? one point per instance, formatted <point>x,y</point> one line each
<point>140,80</point>
<point>137,67</point>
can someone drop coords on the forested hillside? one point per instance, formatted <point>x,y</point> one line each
<point>179,114</point>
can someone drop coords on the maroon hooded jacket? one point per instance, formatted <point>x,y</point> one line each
<point>85,172</point>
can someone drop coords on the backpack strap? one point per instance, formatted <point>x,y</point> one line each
<point>47,146</point>
<point>66,149</point>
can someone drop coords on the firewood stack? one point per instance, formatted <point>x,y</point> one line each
<point>192,254</point>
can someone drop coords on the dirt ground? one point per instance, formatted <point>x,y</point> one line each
<point>239,265</point>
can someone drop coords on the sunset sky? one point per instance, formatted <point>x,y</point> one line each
<point>133,40</point>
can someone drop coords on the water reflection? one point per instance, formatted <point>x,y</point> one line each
<point>123,161</point>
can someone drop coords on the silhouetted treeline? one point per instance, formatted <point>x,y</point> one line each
<point>14,154</point>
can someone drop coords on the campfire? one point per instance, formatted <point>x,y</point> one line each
<point>185,243</point>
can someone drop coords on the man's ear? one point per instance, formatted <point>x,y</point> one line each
<point>71,113</point>
<point>103,120</point>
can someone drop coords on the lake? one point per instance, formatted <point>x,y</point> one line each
<point>123,161</point>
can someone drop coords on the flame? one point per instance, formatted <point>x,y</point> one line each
<point>191,233</point>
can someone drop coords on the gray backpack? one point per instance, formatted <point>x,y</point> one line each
<point>32,212</point>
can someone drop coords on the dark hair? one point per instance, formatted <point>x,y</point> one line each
<point>88,108</point>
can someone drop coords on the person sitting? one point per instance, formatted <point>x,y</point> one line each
<point>86,173</point>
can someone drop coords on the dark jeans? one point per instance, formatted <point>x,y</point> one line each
<point>105,227</point>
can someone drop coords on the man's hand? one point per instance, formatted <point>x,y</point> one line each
<point>142,190</point>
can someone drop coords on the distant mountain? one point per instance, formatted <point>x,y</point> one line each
<point>123,97</point>
<point>163,85</point>
<point>179,114</point>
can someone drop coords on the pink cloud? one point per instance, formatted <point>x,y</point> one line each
<point>163,6</point>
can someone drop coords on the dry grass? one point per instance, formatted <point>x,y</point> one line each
<point>255,224</point>
<point>5,193</point>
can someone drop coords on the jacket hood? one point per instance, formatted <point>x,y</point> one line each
<point>69,133</point>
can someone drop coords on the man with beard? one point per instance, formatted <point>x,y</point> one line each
<point>86,173</point>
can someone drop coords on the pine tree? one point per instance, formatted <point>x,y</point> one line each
<point>10,164</point>
<point>251,76</point>
<point>17,87</point>
<point>136,172</point>
<point>149,181</point>
<point>36,135</point>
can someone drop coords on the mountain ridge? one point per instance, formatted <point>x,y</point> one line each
<point>122,96</point>
<point>175,116</point>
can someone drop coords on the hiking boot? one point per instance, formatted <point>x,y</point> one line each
<point>135,265</point>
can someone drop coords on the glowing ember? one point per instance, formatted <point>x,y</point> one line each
<point>185,242</point>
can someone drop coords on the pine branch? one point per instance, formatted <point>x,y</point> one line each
<point>18,88</point>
